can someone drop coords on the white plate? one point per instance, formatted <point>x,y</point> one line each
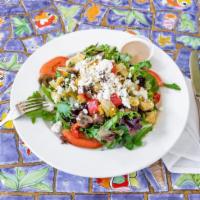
<point>96,163</point>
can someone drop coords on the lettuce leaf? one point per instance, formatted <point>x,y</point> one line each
<point>108,52</point>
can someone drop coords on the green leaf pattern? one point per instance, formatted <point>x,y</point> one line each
<point>9,181</point>
<point>139,16</point>
<point>186,24</point>
<point>22,180</point>
<point>21,26</point>
<point>190,41</point>
<point>188,178</point>
<point>19,174</point>
<point>12,64</point>
<point>68,15</point>
<point>33,178</point>
<point>42,187</point>
<point>131,16</point>
<point>120,12</point>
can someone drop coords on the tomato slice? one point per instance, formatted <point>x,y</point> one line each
<point>114,69</point>
<point>116,100</point>
<point>156,97</point>
<point>50,67</point>
<point>156,76</point>
<point>93,106</point>
<point>82,98</point>
<point>81,142</point>
<point>75,131</point>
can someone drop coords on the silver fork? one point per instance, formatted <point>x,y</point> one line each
<point>25,107</point>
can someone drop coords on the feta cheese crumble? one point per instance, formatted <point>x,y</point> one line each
<point>141,93</point>
<point>56,127</point>
<point>99,71</point>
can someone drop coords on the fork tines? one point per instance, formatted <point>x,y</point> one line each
<point>31,105</point>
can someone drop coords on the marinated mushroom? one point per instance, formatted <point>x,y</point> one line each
<point>98,119</point>
<point>84,120</point>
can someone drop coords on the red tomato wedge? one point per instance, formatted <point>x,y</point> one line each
<point>81,142</point>
<point>92,105</point>
<point>75,131</point>
<point>50,67</point>
<point>116,100</point>
<point>114,69</point>
<point>156,76</point>
<point>156,97</point>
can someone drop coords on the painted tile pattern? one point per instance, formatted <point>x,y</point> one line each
<point>129,18</point>
<point>33,43</point>
<point>6,197</point>
<point>127,196</point>
<point>4,108</point>
<point>165,40</point>
<point>14,45</point>
<point>27,155</point>
<point>70,183</point>
<point>21,26</point>
<point>46,21</point>
<point>55,197</point>
<point>8,149</point>
<point>166,196</point>
<point>166,20</point>
<point>188,23</point>
<point>185,181</point>
<point>70,15</point>
<point>94,14</point>
<point>4,22</point>
<point>27,179</point>
<point>12,61</point>
<point>133,182</point>
<point>141,4</point>
<point>4,35</point>
<point>194,196</point>
<point>25,25</point>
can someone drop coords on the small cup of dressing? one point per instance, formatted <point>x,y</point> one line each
<point>140,49</point>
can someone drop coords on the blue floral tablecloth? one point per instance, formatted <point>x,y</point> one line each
<point>26,25</point>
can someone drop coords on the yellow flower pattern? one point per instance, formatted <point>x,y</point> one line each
<point>9,124</point>
<point>164,40</point>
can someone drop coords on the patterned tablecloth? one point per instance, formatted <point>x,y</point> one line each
<point>25,25</point>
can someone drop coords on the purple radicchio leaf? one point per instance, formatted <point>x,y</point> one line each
<point>109,137</point>
<point>106,135</point>
<point>133,125</point>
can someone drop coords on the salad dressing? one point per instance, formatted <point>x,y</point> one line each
<point>138,50</point>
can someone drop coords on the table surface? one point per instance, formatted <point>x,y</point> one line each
<point>25,25</point>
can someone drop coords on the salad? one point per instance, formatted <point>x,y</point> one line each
<point>97,98</point>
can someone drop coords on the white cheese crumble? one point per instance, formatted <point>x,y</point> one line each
<point>141,93</point>
<point>99,72</point>
<point>72,86</point>
<point>56,97</point>
<point>56,127</point>
<point>85,111</point>
<point>76,105</point>
<point>59,90</point>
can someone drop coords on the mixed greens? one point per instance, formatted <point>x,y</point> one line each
<point>98,98</point>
